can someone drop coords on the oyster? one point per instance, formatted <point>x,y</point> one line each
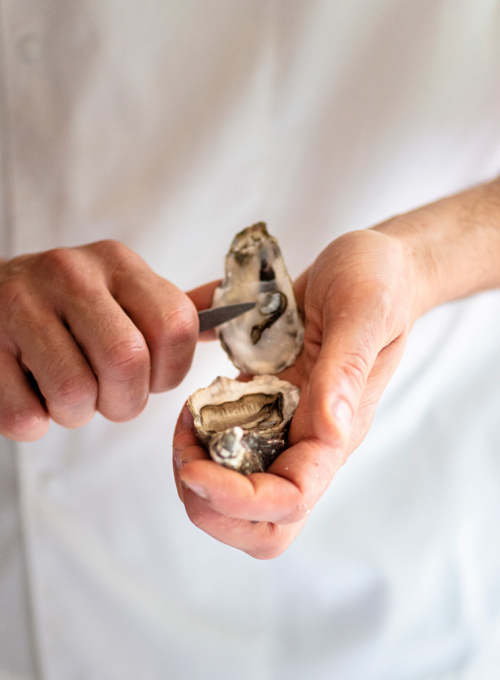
<point>244,424</point>
<point>269,337</point>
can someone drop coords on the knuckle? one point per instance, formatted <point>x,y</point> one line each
<point>126,360</point>
<point>67,268</point>
<point>356,367</point>
<point>74,391</point>
<point>299,513</point>
<point>180,327</point>
<point>113,252</point>
<point>118,260</point>
<point>111,247</point>
<point>15,297</point>
<point>57,260</point>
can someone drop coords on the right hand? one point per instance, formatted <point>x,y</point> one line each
<point>87,329</point>
<point>359,300</point>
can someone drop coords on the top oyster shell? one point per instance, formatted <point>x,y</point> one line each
<point>269,337</point>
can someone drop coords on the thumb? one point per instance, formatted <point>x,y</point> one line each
<point>349,348</point>
<point>202,296</point>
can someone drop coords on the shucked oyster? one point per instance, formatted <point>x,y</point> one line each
<point>268,338</point>
<point>244,424</point>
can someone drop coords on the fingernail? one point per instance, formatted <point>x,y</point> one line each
<point>342,413</point>
<point>197,489</point>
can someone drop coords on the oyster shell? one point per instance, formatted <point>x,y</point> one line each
<point>244,424</point>
<point>268,338</point>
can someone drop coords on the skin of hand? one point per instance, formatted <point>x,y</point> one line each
<point>359,301</point>
<point>87,329</point>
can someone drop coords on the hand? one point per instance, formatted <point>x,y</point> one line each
<point>87,329</point>
<point>359,300</point>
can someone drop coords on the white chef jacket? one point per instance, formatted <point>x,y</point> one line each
<point>170,125</point>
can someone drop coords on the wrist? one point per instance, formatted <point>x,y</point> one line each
<point>453,245</point>
<point>418,266</point>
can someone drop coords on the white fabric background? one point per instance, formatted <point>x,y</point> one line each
<point>170,125</point>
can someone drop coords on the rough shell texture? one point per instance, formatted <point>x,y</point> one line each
<point>244,424</point>
<point>268,338</point>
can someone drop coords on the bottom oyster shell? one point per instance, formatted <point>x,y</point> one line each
<point>244,424</point>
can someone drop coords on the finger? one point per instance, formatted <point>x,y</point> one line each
<point>261,540</point>
<point>22,415</point>
<point>185,439</point>
<point>117,352</point>
<point>50,353</point>
<point>203,295</point>
<point>283,495</point>
<point>185,446</point>
<point>167,319</point>
<point>161,346</point>
<point>164,314</point>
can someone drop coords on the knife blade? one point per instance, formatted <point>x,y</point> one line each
<point>210,318</point>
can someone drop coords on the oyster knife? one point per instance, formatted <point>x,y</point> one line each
<point>210,318</point>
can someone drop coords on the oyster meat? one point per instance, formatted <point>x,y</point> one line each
<point>244,424</point>
<point>269,337</point>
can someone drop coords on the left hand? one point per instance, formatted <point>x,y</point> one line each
<point>359,302</point>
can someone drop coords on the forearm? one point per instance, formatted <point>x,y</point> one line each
<point>453,245</point>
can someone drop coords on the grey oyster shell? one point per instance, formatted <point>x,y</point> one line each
<point>268,338</point>
<point>244,424</point>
